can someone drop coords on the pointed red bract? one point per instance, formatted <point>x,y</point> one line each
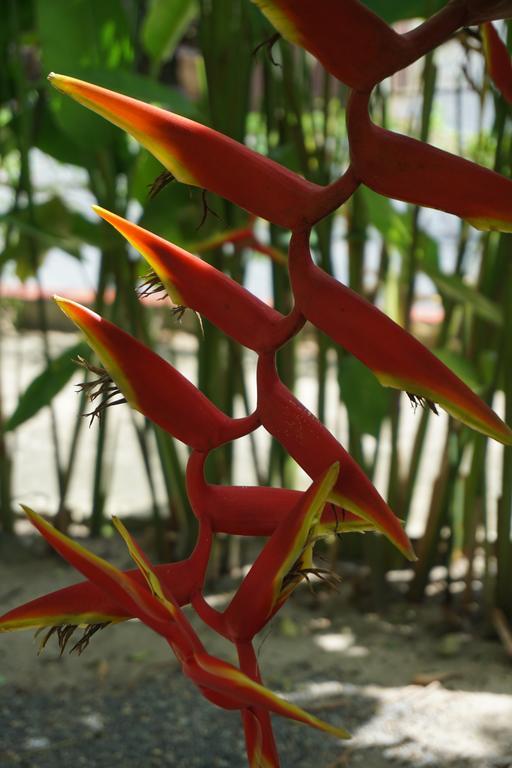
<point>198,155</point>
<point>86,603</point>
<point>414,172</point>
<point>153,386</point>
<point>213,674</point>
<point>264,589</point>
<point>499,63</point>
<point>194,283</point>
<point>314,448</point>
<point>133,598</point>
<point>396,358</point>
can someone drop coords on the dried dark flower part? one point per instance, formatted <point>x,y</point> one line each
<point>84,641</point>
<point>161,181</point>
<point>64,633</point>
<point>103,387</point>
<point>151,285</point>
<point>424,402</point>
<point>206,209</point>
<point>178,312</point>
<point>298,573</point>
<point>268,45</point>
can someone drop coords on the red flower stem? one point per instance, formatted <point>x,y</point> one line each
<point>249,665</point>
<point>211,617</point>
<point>333,197</point>
<point>249,510</point>
<point>289,326</point>
<point>435,31</point>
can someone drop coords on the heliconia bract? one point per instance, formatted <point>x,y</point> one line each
<point>410,170</point>
<point>194,153</point>
<point>499,63</point>
<point>314,448</point>
<point>153,386</point>
<point>193,283</point>
<point>395,356</point>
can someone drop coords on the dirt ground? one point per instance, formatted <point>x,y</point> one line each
<point>413,688</point>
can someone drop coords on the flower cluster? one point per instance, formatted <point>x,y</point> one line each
<point>358,48</point>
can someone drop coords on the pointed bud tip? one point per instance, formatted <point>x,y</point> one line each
<point>103,213</point>
<point>111,218</point>
<point>62,303</point>
<point>57,80</point>
<point>32,516</point>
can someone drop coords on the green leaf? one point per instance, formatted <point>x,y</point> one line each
<point>367,402</point>
<point>455,289</point>
<point>404,9</point>
<point>50,225</point>
<point>164,26</point>
<point>87,34</point>
<point>390,223</point>
<point>41,391</point>
<point>53,141</point>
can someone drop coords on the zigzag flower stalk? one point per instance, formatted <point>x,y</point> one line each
<point>360,49</point>
<point>357,46</point>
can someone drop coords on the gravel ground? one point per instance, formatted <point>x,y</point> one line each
<point>414,688</point>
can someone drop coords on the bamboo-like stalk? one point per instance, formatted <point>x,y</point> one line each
<point>438,510</point>
<point>24,139</point>
<point>504,542</point>
<point>6,511</point>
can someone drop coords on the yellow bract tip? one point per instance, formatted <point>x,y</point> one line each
<point>58,81</point>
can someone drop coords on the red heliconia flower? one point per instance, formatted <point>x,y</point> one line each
<point>219,681</point>
<point>395,357</point>
<point>191,282</point>
<point>415,172</point>
<point>313,447</point>
<point>85,604</point>
<point>499,63</point>
<point>202,157</point>
<point>153,386</point>
<point>285,560</point>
